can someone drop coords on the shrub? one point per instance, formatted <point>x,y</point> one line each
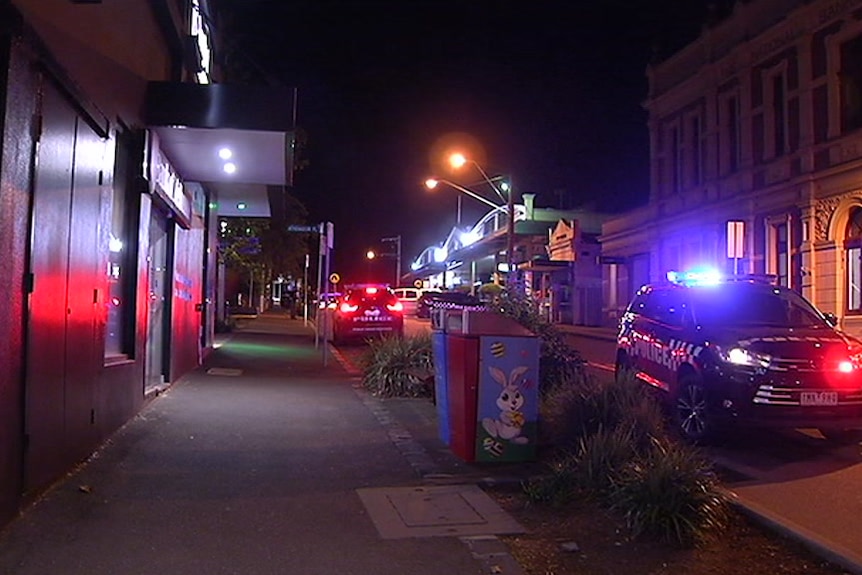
<point>571,412</point>
<point>399,366</point>
<point>559,363</point>
<point>558,486</point>
<point>671,492</point>
<point>614,447</point>
<point>601,458</point>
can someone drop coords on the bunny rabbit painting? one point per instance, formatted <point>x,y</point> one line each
<point>508,399</point>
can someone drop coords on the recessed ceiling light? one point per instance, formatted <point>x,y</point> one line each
<point>225,153</point>
<point>230,168</point>
<point>241,206</point>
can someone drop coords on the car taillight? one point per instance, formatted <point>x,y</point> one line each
<point>348,308</point>
<point>845,366</point>
<point>854,360</point>
<point>397,307</point>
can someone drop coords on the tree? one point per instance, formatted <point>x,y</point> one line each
<point>262,249</point>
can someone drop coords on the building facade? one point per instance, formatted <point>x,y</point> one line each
<point>756,158</point>
<point>108,217</point>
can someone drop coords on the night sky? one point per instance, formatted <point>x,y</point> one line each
<point>548,93</point>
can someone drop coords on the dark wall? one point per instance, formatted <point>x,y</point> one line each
<point>16,113</point>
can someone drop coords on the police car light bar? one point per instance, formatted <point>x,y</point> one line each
<point>695,277</point>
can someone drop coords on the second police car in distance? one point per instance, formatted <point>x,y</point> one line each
<point>741,351</point>
<point>365,311</point>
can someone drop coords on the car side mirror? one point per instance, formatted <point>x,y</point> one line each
<point>831,319</point>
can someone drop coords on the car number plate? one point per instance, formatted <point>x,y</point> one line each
<point>819,398</point>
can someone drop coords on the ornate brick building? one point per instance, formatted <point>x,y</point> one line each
<point>759,121</point>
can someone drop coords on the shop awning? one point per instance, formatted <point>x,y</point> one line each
<point>196,122</point>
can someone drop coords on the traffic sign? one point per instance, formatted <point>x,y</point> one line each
<point>334,278</point>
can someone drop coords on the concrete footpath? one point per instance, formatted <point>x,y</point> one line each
<point>266,461</point>
<point>263,461</point>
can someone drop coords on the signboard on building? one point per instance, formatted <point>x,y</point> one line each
<point>735,239</point>
<point>165,182</point>
<point>561,241</point>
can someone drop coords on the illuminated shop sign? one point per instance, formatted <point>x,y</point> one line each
<point>199,31</point>
<point>165,182</point>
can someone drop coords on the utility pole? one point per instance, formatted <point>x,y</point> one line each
<point>397,241</point>
<point>510,237</point>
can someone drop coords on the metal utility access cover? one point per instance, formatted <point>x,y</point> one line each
<point>435,511</point>
<point>226,371</point>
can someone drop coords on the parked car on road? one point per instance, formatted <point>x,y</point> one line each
<point>445,300</point>
<point>408,296</point>
<point>741,351</point>
<point>367,311</point>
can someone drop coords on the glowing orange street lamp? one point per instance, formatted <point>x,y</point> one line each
<point>457,161</point>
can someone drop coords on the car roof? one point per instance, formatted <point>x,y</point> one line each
<point>741,282</point>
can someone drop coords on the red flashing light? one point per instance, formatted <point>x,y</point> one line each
<point>371,290</point>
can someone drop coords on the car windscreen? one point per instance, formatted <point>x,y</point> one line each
<point>735,305</point>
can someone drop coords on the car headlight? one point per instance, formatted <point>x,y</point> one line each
<point>746,358</point>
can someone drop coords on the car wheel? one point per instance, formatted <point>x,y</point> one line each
<point>623,367</point>
<point>690,411</point>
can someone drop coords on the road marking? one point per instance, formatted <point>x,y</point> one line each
<point>602,366</point>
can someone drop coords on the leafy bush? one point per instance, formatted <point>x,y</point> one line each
<point>558,486</point>
<point>571,412</point>
<point>672,493</point>
<point>559,363</point>
<point>399,366</point>
<point>601,458</point>
<point>615,448</point>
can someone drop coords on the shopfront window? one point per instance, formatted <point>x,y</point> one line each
<point>853,247</point>
<point>122,241</point>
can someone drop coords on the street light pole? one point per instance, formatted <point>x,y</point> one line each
<point>510,233</point>
<point>432,183</point>
<point>458,160</point>
<point>397,241</point>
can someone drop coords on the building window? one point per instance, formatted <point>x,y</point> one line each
<point>675,161</point>
<point>696,149</point>
<point>851,85</point>
<point>776,132</point>
<point>853,246</point>
<point>122,251</point>
<point>781,253</point>
<point>730,143</point>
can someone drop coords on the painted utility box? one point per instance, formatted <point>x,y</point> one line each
<point>489,402</point>
<point>508,398</point>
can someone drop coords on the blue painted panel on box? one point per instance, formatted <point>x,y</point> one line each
<point>508,407</point>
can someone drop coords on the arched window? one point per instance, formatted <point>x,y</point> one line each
<point>853,246</point>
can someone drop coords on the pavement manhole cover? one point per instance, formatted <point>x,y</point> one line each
<point>224,371</point>
<point>435,511</point>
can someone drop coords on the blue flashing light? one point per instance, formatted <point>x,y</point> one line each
<point>695,277</point>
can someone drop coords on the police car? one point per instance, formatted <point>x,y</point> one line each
<point>741,351</point>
